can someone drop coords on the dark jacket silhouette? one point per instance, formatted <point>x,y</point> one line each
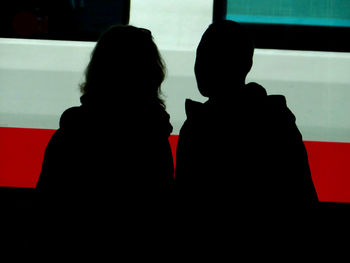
<point>118,137</point>
<point>241,139</point>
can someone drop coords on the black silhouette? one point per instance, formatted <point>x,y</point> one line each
<point>119,135</point>
<point>105,165</point>
<point>241,138</point>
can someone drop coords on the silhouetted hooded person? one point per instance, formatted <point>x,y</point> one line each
<point>118,137</point>
<point>241,139</point>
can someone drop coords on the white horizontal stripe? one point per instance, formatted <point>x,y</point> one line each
<point>48,55</point>
<point>37,86</point>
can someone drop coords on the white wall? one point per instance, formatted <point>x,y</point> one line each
<point>175,24</point>
<point>316,86</point>
<point>39,79</point>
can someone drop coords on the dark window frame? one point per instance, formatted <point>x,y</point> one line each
<point>288,37</point>
<point>62,29</point>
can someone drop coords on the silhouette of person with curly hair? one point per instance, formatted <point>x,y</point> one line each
<point>119,135</point>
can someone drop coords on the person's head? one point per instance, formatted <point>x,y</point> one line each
<point>125,63</point>
<point>224,58</point>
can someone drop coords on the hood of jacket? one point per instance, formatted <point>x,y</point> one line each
<point>253,97</point>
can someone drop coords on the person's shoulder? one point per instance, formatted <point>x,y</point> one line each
<point>273,107</point>
<point>277,101</point>
<point>277,105</point>
<point>156,118</point>
<point>195,114</point>
<point>71,117</point>
<point>194,109</point>
<point>255,90</point>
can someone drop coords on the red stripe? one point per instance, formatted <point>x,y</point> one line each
<point>22,151</point>
<point>21,155</point>
<point>330,168</point>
